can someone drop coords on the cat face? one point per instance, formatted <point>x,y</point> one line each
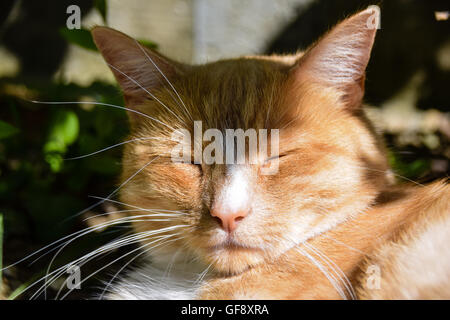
<point>329,162</point>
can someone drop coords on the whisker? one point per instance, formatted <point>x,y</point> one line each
<point>59,240</point>
<point>324,272</point>
<point>170,84</point>
<point>385,171</point>
<point>121,257</point>
<point>149,93</point>
<point>203,274</point>
<point>335,268</point>
<point>87,257</point>
<point>156,214</point>
<point>134,258</point>
<point>86,278</point>
<point>111,147</point>
<point>345,245</point>
<point>133,206</point>
<point>65,245</point>
<point>102,104</point>
<point>116,190</point>
<point>107,246</point>
<point>172,261</point>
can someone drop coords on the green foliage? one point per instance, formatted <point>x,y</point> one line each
<point>18,291</point>
<point>410,170</point>
<point>63,131</point>
<point>148,44</point>
<point>39,189</point>
<point>81,37</point>
<point>7,130</point>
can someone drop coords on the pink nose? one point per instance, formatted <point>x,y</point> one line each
<point>228,220</point>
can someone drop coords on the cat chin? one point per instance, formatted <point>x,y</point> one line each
<point>232,261</point>
<point>235,259</point>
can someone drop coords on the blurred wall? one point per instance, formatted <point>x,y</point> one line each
<point>224,29</point>
<point>191,31</point>
<point>165,22</point>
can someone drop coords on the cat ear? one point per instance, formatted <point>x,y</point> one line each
<point>138,70</point>
<point>339,58</point>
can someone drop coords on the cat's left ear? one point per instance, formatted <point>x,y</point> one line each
<point>138,70</point>
<point>339,59</point>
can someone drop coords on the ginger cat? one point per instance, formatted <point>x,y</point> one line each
<point>330,224</point>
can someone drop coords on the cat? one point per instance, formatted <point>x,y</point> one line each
<point>332,223</point>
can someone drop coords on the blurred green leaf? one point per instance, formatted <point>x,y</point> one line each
<point>148,44</point>
<point>410,170</point>
<point>64,129</point>
<point>55,161</point>
<point>101,6</point>
<point>7,130</point>
<point>20,289</point>
<point>81,37</point>
<point>418,167</point>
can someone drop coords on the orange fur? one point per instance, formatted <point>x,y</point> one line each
<point>333,182</point>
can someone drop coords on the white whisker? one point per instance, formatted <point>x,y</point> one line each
<point>111,147</point>
<point>335,268</point>
<point>149,93</point>
<point>133,206</point>
<point>87,257</point>
<point>324,272</point>
<point>101,104</point>
<point>170,84</point>
<point>129,262</point>
<point>116,190</point>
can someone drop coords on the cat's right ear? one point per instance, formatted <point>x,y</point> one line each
<point>138,70</point>
<point>339,59</point>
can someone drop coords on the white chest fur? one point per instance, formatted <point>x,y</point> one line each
<point>159,281</point>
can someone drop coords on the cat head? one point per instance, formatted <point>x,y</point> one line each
<point>330,163</point>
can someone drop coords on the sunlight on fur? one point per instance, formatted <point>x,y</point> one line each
<point>225,231</point>
<point>332,174</point>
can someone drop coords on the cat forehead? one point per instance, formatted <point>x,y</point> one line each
<point>235,74</point>
<point>236,90</point>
